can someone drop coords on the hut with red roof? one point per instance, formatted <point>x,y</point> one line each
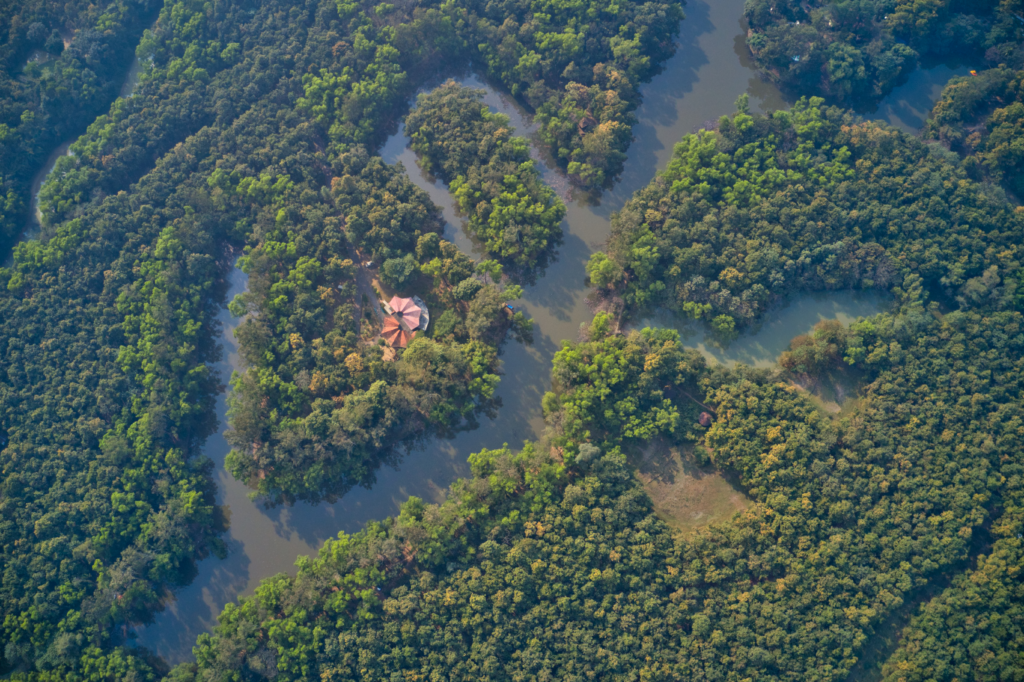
<point>407,316</point>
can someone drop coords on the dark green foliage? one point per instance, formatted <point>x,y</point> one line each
<point>318,407</point>
<point>854,514</point>
<point>249,128</point>
<point>964,99</point>
<point>252,129</point>
<point>55,43</point>
<point>42,103</point>
<point>398,273</point>
<point>975,629</point>
<point>489,171</point>
<point>578,66</point>
<point>808,199</point>
<point>550,563</point>
<point>196,72</point>
<point>858,50</point>
<point>982,117</point>
<point>103,405</point>
<point>384,214</point>
<point>107,327</point>
<point>850,515</point>
<point>29,25</point>
<point>525,550</point>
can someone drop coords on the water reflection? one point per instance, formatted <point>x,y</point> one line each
<point>709,71</point>
<point>907,107</point>
<point>131,80</point>
<point>396,150</point>
<point>261,542</point>
<point>699,84</point>
<point>761,347</point>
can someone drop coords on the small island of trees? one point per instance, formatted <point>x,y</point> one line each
<point>254,135</point>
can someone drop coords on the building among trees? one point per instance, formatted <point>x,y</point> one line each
<point>405,317</point>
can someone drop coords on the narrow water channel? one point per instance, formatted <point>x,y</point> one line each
<point>36,217</point>
<point>699,84</point>
<point>31,230</point>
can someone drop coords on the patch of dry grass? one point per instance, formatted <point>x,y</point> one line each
<point>685,495</point>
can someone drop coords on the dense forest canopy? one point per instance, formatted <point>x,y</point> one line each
<point>59,91</point>
<point>714,208</point>
<point>549,563</point>
<point>252,130</point>
<point>856,51</point>
<point>490,173</point>
<point>319,404</point>
<point>806,199</point>
<point>981,116</point>
<point>973,630</point>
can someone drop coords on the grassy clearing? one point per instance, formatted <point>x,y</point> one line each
<point>686,496</point>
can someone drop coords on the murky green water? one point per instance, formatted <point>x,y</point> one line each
<point>701,83</point>
<point>907,107</point>
<point>762,347</point>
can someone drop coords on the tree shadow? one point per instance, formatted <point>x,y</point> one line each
<point>192,610</point>
<point>659,109</point>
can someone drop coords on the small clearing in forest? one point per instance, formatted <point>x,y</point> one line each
<point>686,495</point>
<point>836,392</point>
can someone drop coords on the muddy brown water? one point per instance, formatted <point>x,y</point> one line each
<point>699,84</point>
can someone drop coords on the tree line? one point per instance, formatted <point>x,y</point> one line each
<point>317,407</point>
<point>549,562</point>
<point>108,319</point>
<point>980,117</point>
<point>58,91</point>
<point>806,199</point>
<point>490,173</point>
<point>858,51</point>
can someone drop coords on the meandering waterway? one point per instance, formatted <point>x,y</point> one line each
<point>699,84</point>
<point>31,230</point>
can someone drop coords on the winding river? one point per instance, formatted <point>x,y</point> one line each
<point>699,84</point>
<point>31,229</point>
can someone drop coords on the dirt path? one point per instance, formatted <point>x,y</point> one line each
<point>364,284</point>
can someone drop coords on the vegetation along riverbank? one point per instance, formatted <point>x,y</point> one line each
<point>253,137</point>
<point>252,129</point>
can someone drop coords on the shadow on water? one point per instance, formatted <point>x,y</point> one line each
<point>264,542</point>
<point>907,107</point>
<point>699,84</point>
<point>396,150</point>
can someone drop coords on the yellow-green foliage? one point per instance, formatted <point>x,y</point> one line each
<point>550,563</point>
<point>490,173</point>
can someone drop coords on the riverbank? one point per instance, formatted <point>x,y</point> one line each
<point>699,84</point>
